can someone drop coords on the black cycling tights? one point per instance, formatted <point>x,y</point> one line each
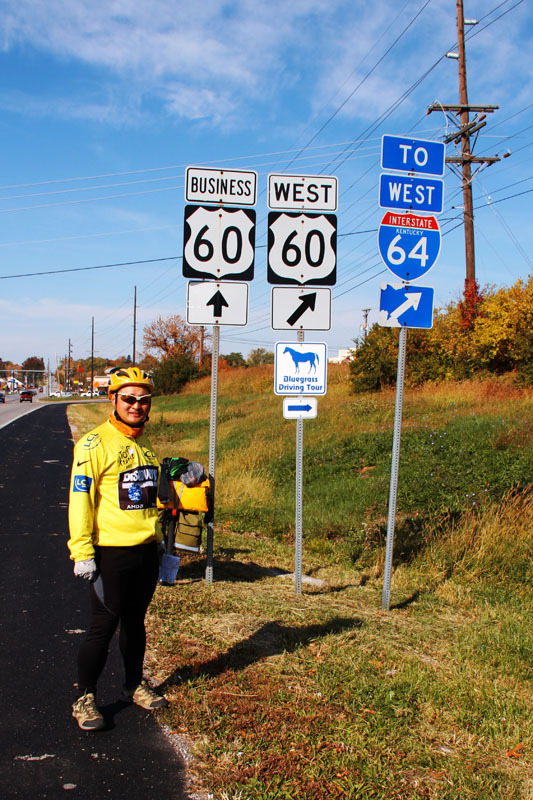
<point>121,594</point>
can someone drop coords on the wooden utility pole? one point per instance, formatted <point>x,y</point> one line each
<point>459,116</point>
<point>92,357</point>
<point>364,326</point>
<point>466,154</point>
<point>67,381</point>
<point>134,321</point>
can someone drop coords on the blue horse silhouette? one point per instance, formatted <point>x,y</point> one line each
<point>302,358</point>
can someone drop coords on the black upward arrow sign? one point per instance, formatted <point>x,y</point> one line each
<point>218,301</point>
<point>308,301</point>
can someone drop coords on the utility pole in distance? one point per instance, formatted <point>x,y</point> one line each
<point>459,116</point>
<point>92,357</point>
<point>364,326</point>
<point>134,323</point>
<point>67,380</point>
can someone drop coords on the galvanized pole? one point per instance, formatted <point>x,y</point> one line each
<point>393,491</point>
<point>212,451</point>
<point>299,499</point>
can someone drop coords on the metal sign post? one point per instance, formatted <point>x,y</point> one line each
<point>212,452</point>
<point>302,251</point>
<point>393,491</point>
<point>409,245</point>
<point>298,522</point>
<point>218,244</point>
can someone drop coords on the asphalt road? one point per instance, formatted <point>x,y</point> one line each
<point>13,408</point>
<point>44,609</point>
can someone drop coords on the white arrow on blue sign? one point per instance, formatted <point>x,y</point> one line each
<point>403,306</point>
<point>412,155</point>
<point>410,193</point>
<point>408,244</point>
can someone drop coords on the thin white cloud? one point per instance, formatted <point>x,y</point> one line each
<point>221,62</point>
<point>205,61</point>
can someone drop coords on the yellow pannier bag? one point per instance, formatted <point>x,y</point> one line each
<point>187,498</point>
<point>191,498</point>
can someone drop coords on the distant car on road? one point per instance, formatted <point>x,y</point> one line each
<point>26,396</point>
<point>2,397</point>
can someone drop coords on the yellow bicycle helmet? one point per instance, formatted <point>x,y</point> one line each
<point>129,376</point>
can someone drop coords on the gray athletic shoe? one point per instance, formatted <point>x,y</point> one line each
<point>145,697</point>
<point>86,713</point>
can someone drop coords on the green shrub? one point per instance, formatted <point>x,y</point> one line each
<point>171,375</point>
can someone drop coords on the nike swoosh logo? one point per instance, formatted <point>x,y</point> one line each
<point>82,462</point>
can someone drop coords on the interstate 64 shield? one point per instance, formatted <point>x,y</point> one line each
<point>409,244</point>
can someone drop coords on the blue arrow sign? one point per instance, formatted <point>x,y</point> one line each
<point>411,194</point>
<point>409,245</point>
<point>304,408</point>
<point>403,306</point>
<point>412,155</point>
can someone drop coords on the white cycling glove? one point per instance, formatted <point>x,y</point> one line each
<point>86,569</point>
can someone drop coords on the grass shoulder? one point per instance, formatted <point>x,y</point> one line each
<point>321,695</point>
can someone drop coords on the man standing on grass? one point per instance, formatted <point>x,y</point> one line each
<point>114,541</point>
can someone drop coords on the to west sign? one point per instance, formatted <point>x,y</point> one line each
<point>409,193</point>
<point>413,155</point>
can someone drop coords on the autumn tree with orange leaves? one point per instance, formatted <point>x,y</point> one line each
<point>168,337</point>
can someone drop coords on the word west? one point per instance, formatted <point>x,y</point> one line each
<point>288,192</point>
<point>409,194</point>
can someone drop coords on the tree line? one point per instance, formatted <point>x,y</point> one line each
<point>489,334</point>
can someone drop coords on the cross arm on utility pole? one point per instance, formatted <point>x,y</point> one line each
<point>458,108</point>
<point>458,116</point>
<point>472,159</point>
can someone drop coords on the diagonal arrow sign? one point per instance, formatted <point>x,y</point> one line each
<point>412,301</point>
<point>308,301</point>
<point>218,301</point>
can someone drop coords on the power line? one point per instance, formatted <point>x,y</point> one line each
<point>84,269</point>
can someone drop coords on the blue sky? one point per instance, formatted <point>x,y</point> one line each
<point>104,104</point>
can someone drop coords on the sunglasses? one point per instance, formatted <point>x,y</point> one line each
<point>131,399</point>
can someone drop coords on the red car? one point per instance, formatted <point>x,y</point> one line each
<point>27,395</point>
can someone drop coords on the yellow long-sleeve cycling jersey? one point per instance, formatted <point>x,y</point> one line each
<point>113,492</point>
